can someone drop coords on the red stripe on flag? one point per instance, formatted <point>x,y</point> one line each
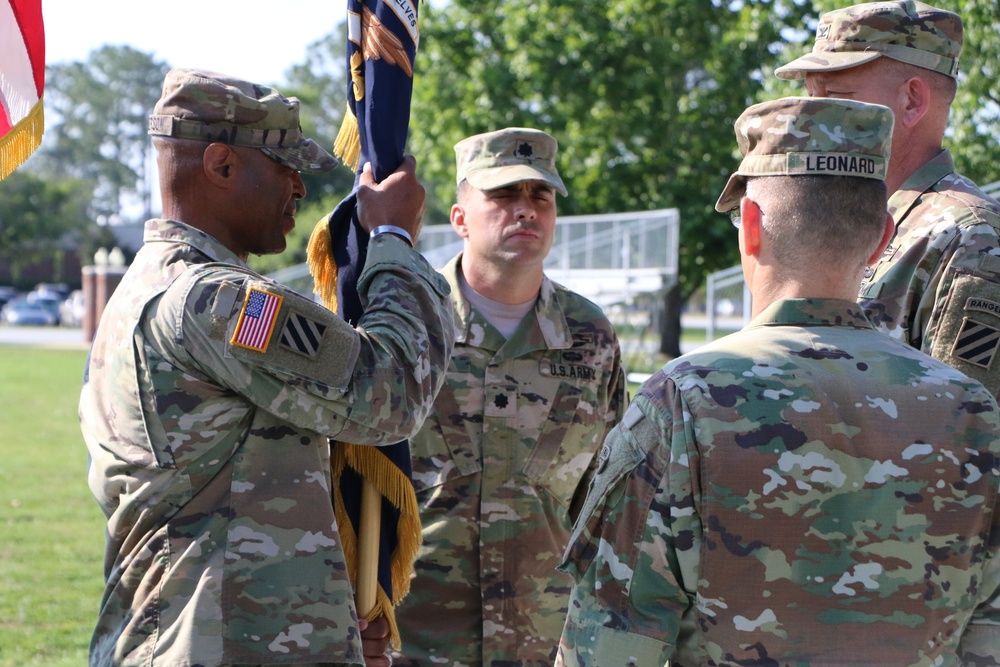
<point>28,15</point>
<point>257,319</point>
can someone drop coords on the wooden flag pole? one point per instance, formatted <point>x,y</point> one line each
<point>368,544</point>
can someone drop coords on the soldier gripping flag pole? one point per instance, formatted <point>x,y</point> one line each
<point>381,48</point>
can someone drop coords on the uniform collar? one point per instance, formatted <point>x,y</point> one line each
<point>813,313</point>
<point>550,329</point>
<point>919,182</point>
<point>171,231</point>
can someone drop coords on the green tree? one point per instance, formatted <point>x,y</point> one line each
<point>641,95</point>
<point>38,216</point>
<point>974,135</point>
<point>96,115</point>
<point>321,85</point>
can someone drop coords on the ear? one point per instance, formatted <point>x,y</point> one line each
<point>914,101</point>
<point>219,163</point>
<point>751,229</point>
<point>458,220</point>
<point>887,234</point>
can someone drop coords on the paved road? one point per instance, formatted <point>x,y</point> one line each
<point>62,337</point>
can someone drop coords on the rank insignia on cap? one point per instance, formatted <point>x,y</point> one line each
<point>976,343</point>
<point>257,319</point>
<point>302,335</point>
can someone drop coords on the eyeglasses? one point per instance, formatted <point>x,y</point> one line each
<point>734,217</point>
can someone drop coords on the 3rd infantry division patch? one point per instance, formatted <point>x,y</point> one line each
<point>302,335</point>
<point>976,343</point>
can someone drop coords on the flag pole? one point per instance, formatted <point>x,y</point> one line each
<point>368,545</point>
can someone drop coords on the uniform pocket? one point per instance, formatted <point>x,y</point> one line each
<point>567,443</point>
<point>444,448</point>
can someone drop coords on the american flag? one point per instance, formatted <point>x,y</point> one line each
<point>260,312</point>
<point>22,78</point>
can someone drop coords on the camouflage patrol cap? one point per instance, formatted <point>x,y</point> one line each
<point>908,31</point>
<point>495,159</point>
<point>212,107</point>
<point>809,136</point>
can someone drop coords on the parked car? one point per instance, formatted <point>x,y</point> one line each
<point>22,312</point>
<point>6,294</point>
<point>71,310</point>
<point>55,290</point>
<point>47,300</point>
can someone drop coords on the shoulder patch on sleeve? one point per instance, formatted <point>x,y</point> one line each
<point>288,332</point>
<point>968,333</point>
<point>257,319</point>
<point>302,334</point>
<point>976,343</point>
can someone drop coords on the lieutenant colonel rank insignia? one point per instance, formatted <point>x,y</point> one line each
<point>976,343</point>
<point>302,335</point>
<point>257,319</point>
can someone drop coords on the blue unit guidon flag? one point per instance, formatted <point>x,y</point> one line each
<point>257,320</point>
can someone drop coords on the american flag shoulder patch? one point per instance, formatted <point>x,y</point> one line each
<point>257,319</point>
<point>302,334</point>
<point>976,343</point>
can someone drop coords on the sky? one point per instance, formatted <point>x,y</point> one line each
<point>207,34</point>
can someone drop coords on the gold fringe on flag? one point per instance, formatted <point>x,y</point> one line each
<point>319,256</point>
<point>17,145</point>
<point>397,488</point>
<point>348,143</point>
<point>369,463</point>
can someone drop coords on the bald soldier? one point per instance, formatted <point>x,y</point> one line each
<point>937,285</point>
<point>806,491</point>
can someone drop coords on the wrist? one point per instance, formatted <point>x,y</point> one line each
<point>392,229</point>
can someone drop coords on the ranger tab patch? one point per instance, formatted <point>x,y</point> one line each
<point>302,335</point>
<point>976,343</point>
<point>257,319</point>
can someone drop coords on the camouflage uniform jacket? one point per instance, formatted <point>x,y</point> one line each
<point>212,461</point>
<point>806,491</point>
<point>496,468</point>
<point>937,287</point>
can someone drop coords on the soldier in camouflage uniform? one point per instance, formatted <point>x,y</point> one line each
<point>211,394</point>
<point>534,385</point>
<point>806,491</point>
<point>937,286</point>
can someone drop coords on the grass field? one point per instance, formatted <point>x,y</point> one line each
<point>51,531</point>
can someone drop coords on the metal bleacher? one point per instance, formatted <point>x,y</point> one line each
<point>609,258</point>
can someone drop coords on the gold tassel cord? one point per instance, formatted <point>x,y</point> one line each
<point>319,256</point>
<point>17,145</point>
<point>348,143</point>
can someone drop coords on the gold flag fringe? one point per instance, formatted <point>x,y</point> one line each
<point>397,488</point>
<point>17,145</point>
<point>371,464</point>
<point>319,256</point>
<point>348,143</point>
